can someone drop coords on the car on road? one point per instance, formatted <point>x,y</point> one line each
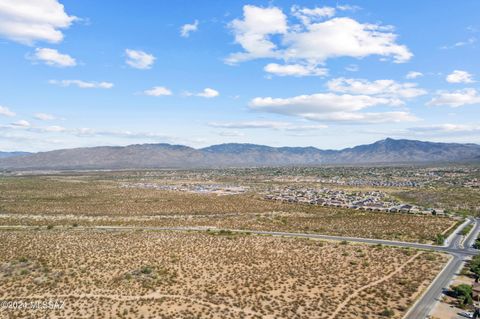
<point>466,314</point>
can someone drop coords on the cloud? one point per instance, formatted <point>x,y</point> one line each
<point>307,15</point>
<point>297,70</point>
<point>346,7</point>
<point>53,128</point>
<point>413,75</point>
<point>364,117</point>
<point>352,68</point>
<point>276,125</point>
<point>52,57</point>
<point>186,29</point>
<point>469,41</point>
<point>254,30</point>
<point>83,84</point>
<point>55,137</point>
<point>312,42</point>
<point>45,117</point>
<point>344,37</point>
<point>208,93</point>
<point>332,107</point>
<point>317,103</point>
<point>28,21</point>
<point>139,60</point>
<point>386,88</point>
<point>21,124</point>
<point>157,91</point>
<point>80,132</point>
<point>459,76</point>
<point>447,128</point>
<point>455,98</point>
<point>5,111</point>
<point>86,132</point>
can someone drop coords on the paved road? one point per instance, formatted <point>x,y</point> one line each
<point>459,253</point>
<point>458,248</point>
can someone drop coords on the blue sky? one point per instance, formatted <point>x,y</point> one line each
<point>329,74</point>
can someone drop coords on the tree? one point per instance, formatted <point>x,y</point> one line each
<point>439,239</point>
<point>463,293</point>
<point>475,266</point>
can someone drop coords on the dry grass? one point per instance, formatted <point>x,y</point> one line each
<point>463,200</point>
<point>98,200</point>
<point>202,275</point>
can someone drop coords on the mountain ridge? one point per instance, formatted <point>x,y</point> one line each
<point>12,154</point>
<point>164,155</point>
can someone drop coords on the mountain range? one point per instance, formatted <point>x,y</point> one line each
<point>12,154</point>
<point>387,151</point>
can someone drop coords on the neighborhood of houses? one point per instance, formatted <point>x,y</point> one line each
<point>473,183</point>
<point>217,189</point>
<point>369,201</point>
<point>351,181</point>
<point>373,183</point>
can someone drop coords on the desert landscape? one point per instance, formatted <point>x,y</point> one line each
<point>210,244</point>
<point>278,159</point>
<point>102,199</point>
<point>142,274</point>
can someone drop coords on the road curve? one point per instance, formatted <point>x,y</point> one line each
<point>424,305</point>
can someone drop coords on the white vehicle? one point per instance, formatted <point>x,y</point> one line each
<point>466,314</point>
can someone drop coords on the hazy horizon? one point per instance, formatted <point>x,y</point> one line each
<point>199,148</point>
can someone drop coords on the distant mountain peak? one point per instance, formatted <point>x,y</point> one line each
<point>386,151</point>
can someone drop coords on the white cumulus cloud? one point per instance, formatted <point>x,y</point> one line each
<point>254,30</point>
<point>317,103</point>
<point>387,88</point>
<point>332,107</point>
<point>45,117</point>
<point>28,21</point>
<point>456,98</point>
<point>307,15</point>
<point>21,124</point>
<point>344,37</point>
<point>52,57</point>
<point>139,59</point>
<point>297,70</point>
<point>459,76</point>
<point>5,111</point>
<point>312,42</point>
<point>157,91</point>
<point>413,75</point>
<point>208,93</point>
<point>83,84</point>
<point>186,29</point>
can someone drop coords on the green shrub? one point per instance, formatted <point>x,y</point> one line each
<point>439,239</point>
<point>463,293</point>
<point>387,313</point>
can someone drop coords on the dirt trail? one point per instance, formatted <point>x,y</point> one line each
<point>379,281</point>
<point>153,295</point>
